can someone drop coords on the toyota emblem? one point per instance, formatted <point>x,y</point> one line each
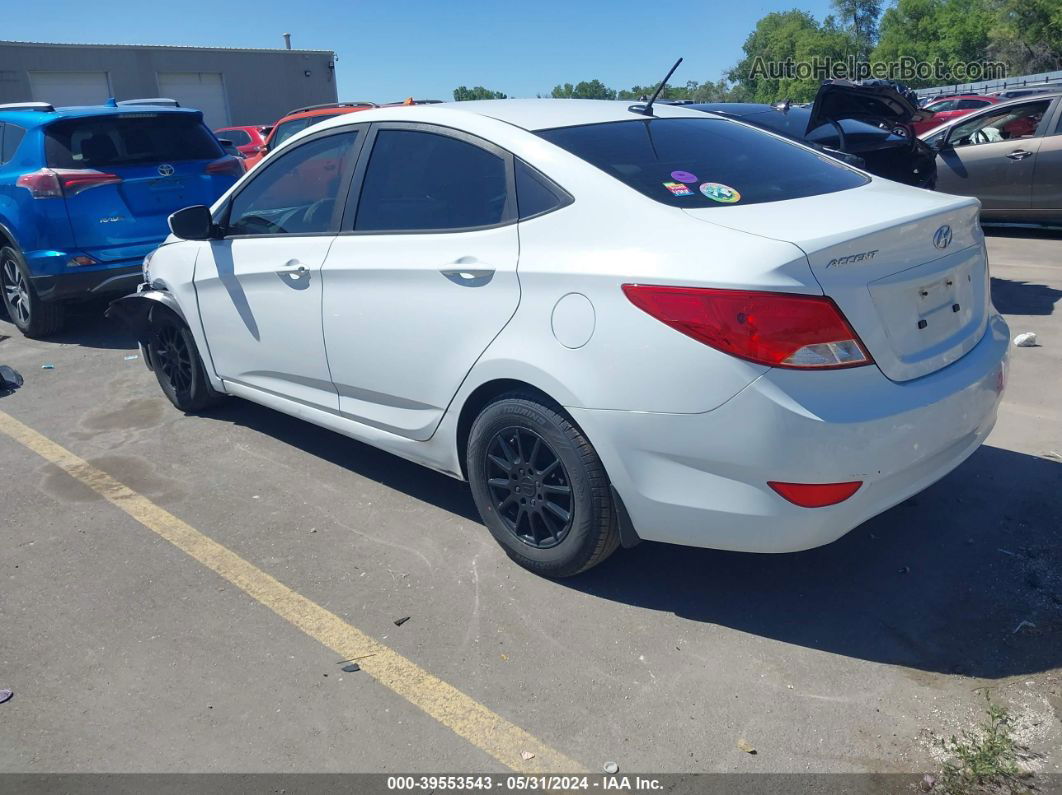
<point>942,237</point>
<point>165,170</point>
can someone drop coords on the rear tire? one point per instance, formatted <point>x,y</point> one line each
<point>32,316</point>
<point>177,365</point>
<point>540,487</point>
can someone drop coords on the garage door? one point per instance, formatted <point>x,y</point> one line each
<point>202,90</point>
<point>70,88</point>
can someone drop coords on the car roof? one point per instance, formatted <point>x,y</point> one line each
<point>38,118</point>
<point>528,114</point>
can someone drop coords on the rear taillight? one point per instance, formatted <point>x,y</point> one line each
<point>56,183</point>
<point>228,165</point>
<point>816,495</point>
<point>775,329</point>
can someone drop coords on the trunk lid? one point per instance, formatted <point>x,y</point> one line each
<point>872,101</point>
<point>908,268</point>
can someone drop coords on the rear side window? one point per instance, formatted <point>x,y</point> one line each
<point>418,181</point>
<point>238,137</point>
<point>536,194</point>
<point>289,128</point>
<point>704,162</point>
<point>102,141</point>
<point>11,136</point>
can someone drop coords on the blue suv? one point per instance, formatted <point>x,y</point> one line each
<point>84,196</point>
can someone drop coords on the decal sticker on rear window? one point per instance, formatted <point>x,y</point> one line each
<point>718,192</point>
<point>683,176</point>
<point>678,189</point>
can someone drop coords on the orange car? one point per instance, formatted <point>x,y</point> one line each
<point>298,120</point>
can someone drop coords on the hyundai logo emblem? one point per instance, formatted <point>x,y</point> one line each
<point>942,237</point>
<point>166,170</point>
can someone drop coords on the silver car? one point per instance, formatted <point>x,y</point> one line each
<point>1009,156</point>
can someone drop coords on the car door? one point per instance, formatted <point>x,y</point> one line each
<point>259,286</point>
<point>1047,175</point>
<point>991,155</point>
<point>423,275</point>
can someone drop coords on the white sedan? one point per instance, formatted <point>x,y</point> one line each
<point>616,326</point>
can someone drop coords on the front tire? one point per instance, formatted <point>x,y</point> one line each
<point>32,316</point>
<point>540,487</point>
<point>177,365</point>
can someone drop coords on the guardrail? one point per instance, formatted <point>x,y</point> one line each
<point>1045,79</point>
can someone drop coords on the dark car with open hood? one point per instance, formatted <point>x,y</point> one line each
<point>866,124</point>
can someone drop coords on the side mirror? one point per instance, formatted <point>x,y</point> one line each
<point>940,144</point>
<point>192,223</point>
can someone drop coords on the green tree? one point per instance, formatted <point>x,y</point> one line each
<point>697,92</point>
<point>782,37</point>
<point>949,31</point>
<point>859,18</point>
<point>461,93</point>
<point>1027,35</point>
<point>593,89</point>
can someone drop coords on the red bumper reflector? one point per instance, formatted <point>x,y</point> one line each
<point>816,495</point>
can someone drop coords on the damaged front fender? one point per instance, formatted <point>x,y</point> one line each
<point>136,312</point>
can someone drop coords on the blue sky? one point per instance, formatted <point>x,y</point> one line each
<point>390,49</point>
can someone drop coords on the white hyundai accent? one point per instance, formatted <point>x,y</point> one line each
<point>616,326</point>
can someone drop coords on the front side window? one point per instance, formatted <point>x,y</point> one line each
<point>1005,124</point>
<point>128,139</point>
<point>290,128</point>
<point>296,194</point>
<point>944,104</point>
<point>698,163</point>
<point>418,181</point>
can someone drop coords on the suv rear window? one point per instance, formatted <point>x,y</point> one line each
<point>704,162</point>
<point>103,141</point>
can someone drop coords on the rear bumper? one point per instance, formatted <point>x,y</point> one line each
<point>89,282</point>
<point>701,479</point>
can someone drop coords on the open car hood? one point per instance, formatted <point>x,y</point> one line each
<point>872,101</point>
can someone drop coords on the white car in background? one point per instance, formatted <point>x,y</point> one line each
<point>616,326</point>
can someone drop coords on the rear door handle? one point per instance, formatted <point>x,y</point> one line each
<point>468,277</point>
<point>1019,154</point>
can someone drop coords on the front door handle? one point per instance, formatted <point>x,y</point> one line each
<point>294,267</point>
<point>1019,154</point>
<point>468,277</point>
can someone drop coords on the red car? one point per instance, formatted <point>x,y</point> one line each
<point>298,120</point>
<point>248,140</point>
<point>950,108</point>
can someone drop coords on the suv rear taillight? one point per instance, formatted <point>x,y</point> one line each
<point>56,183</point>
<point>806,332</point>
<point>230,165</point>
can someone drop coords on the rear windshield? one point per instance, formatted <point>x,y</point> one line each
<point>704,162</point>
<point>102,141</point>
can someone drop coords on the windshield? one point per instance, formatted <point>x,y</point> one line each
<point>704,162</point>
<point>106,141</point>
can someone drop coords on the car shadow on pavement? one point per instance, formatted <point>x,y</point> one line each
<point>941,583</point>
<point>1013,297</point>
<point>87,327</point>
<point>389,470</point>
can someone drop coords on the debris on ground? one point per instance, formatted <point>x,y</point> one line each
<point>611,767</point>
<point>526,755</point>
<point>5,695</point>
<point>351,668</point>
<point>400,621</point>
<point>1026,340</point>
<point>131,357</point>
<point>47,366</point>
<point>10,379</point>
<point>927,783</point>
<point>746,746</point>
<point>355,659</point>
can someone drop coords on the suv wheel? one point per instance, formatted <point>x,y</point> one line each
<point>177,365</point>
<point>32,316</point>
<point>540,487</point>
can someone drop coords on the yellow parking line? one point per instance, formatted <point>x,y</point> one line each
<point>462,714</point>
